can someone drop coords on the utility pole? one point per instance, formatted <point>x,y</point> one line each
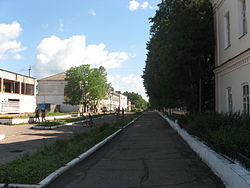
<point>29,70</point>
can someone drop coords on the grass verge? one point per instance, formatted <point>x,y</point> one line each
<point>65,121</point>
<point>33,168</point>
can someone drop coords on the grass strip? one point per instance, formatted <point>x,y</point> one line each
<point>51,123</point>
<point>34,167</point>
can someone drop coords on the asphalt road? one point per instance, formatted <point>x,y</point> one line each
<point>147,154</point>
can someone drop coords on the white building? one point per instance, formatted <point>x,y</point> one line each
<point>17,93</point>
<point>51,93</point>
<point>232,72</point>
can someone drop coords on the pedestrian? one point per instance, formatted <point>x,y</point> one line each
<point>91,123</point>
<point>37,114</point>
<point>118,111</point>
<point>43,114</point>
<point>123,113</point>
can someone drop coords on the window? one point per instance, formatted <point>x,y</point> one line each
<point>243,17</point>
<point>227,30</point>
<point>245,99</point>
<point>229,100</point>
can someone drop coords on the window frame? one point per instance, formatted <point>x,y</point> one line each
<point>245,98</point>
<point>229,99</point>
<point>227,31</point>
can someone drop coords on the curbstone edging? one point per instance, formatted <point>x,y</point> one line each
<point>70,164</point>
<point>232,174</point>
<point>2,136</point>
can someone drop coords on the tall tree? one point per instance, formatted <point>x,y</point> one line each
<point>99,86</point>
<point>85,86</point>
<point>179,64</point>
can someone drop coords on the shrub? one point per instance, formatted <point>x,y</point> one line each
<point>225,133</point>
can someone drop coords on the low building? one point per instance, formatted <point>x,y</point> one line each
<point>51,94</point>
<point>17,93</point>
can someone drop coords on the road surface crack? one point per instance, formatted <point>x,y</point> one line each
<point>145,176</point>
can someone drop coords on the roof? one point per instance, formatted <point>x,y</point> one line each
<point>17,73</point>
<point>59,76</point>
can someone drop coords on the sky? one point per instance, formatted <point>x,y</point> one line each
<point>50,36</point>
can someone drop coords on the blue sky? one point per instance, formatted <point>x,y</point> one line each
<point>53,35</point>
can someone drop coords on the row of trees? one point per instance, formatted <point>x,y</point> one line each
<point>136,100</point>
<point>180,59</point>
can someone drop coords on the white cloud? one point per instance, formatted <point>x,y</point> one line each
<point>145,5</point>
<point>8,44</point>
<point>131,83</point>
<point>133,5</point>
<point>92,12</point>
<point>57,55</point>
<point>17,57</point>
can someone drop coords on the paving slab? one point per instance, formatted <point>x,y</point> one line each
<point>146,154</point>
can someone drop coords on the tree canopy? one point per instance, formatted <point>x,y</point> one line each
<point>180,58</point>
<point>136,100</point>
<point>85,86</point>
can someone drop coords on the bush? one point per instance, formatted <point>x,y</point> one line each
<point>224,133</point>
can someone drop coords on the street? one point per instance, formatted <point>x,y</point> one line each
<point>146,154</point>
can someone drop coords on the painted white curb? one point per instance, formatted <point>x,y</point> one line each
<point>70,164</point>
<point>232,174</point>
<point>2,136</point>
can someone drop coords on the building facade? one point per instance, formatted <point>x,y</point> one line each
<point>17,93</point>
<point>232,55</point>
<point>51,93</point>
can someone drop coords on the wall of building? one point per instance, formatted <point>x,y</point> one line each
<point>123,102</point>
<point>239,43</point>
<point>27,103</point>
<point>17,93</point>
<point>52,92</point>
<point>234,77</point>
<point>232,62</point>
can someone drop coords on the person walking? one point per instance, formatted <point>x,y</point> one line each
<point>122,113</point>
<point>43,114</point>
<point>37,115</point>
<point>90,122</point>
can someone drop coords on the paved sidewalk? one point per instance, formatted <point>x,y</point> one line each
<point>147,154</point>
<point>21,139</point>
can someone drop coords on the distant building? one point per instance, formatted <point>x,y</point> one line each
<point>232,71</point>
<point>51,94</point>
<point>113,101</point>
<point>17,93</point>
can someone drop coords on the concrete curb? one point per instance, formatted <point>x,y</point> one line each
<point>232,174</point>
<point>2,136</point>
<point>70,164</point>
